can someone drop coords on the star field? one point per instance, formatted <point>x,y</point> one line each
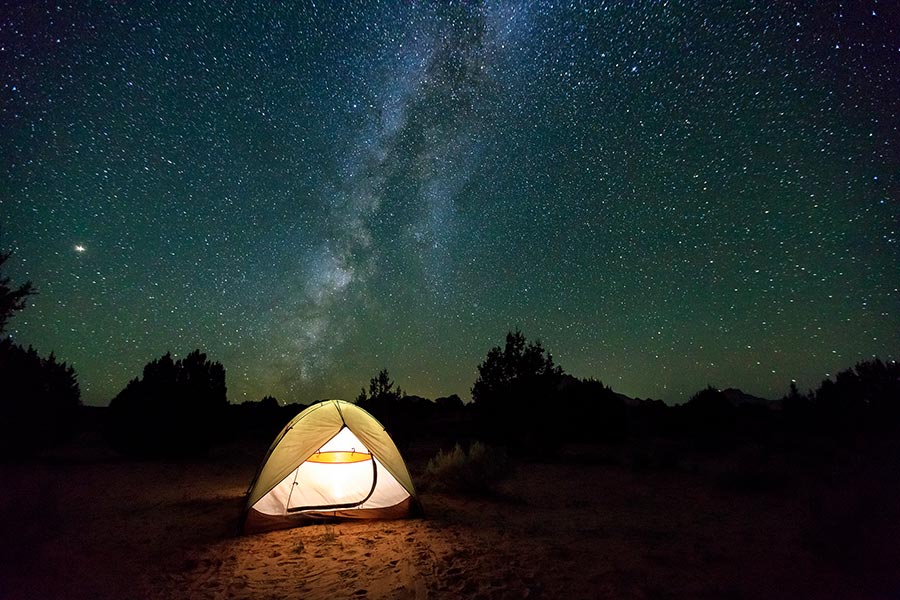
<point>666,194</point>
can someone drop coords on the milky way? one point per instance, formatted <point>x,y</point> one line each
<point>667,194</point>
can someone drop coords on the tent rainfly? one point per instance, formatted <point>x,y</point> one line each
<point>333,460</point>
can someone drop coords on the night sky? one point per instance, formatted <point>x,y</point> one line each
<point>666,194</point>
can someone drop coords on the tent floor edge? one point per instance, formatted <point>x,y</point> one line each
<point>257,522</point>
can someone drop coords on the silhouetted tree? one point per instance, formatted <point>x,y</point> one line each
<point>599,413</point>
<point>381,390</point>
<point>793,394</point>
<point>449,404</point>
<point>709,400</point>
<point>403,416</point>
<point>796,408</point>
<point>710,415</point>
<point>257,418</point>
<point>39,397</point>
<point>869,394</point>
<point>11,299</point>
<point>176,408</point>
<point>515,393</point>
<point>650,418</point>
<point>878,384</point>
<point>518,362</point>
<point>269,403</point>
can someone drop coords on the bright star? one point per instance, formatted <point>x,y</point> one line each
<point>79,248</point>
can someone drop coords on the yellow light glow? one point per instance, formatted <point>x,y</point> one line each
<point>339,457</point>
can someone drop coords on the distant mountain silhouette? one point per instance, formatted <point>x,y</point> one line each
<point>740,398</point>
<point>735,397</point>
<point>629,401</point>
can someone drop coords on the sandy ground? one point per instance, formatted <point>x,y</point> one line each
<point>87,524</point>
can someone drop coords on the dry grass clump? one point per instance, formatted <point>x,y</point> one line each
<point>470,472</point>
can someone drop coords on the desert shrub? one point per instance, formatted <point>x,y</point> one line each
<point>472,472</point>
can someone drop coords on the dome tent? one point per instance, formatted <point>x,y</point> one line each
<point>333,460</point>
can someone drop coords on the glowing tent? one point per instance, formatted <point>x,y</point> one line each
<point>332,460</point>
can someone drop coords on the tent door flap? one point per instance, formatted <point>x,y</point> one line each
<point>341,505</point>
